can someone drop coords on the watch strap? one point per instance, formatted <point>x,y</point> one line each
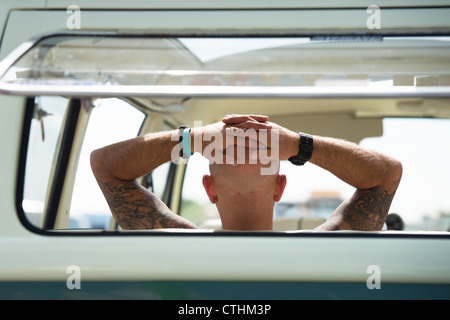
<point>305,150</point>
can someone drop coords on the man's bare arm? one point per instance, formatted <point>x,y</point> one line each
<point>365,211</point>
<point>134,207</point>
<point>116,168</point>
<point>374,175</point>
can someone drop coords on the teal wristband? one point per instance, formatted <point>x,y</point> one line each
<point>186,150</point>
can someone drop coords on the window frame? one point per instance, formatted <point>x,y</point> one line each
<point>67,141</point>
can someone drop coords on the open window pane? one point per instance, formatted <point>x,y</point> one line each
<point>220,66</point>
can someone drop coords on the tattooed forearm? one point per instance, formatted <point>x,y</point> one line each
<point>366,210</point>
<point>134,207</point>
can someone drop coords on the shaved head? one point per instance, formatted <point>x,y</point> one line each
<point>244,197</point>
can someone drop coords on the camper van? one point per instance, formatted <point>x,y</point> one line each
<point>76,76</point>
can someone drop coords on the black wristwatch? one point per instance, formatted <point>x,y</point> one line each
<point>305,150</point>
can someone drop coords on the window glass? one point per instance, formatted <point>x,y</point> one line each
<point>253,65</point>
<point>45,131</point>
<point>112,120</point>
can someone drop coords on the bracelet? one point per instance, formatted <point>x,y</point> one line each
<point>185,152</point>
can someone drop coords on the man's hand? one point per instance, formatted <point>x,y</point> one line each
<point>221,142</point>
<point>282,143</point>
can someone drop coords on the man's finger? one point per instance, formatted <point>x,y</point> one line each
<point>237,136</point>
<point>245,117</point>
<point>250,125</point>
<point>236,118</point>
<point>244,138</point>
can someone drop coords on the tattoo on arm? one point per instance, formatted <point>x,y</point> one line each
<point>134,207</point>
<point>366,211</point>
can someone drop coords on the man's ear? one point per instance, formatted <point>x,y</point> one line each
<point>279,188</point>
<point>209,188</point>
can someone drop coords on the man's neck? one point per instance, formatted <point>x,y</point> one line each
<point>246,212</point>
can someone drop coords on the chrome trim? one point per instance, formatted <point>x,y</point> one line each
<point>174,91</point>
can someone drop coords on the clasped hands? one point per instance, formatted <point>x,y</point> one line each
<point>244,139</point>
